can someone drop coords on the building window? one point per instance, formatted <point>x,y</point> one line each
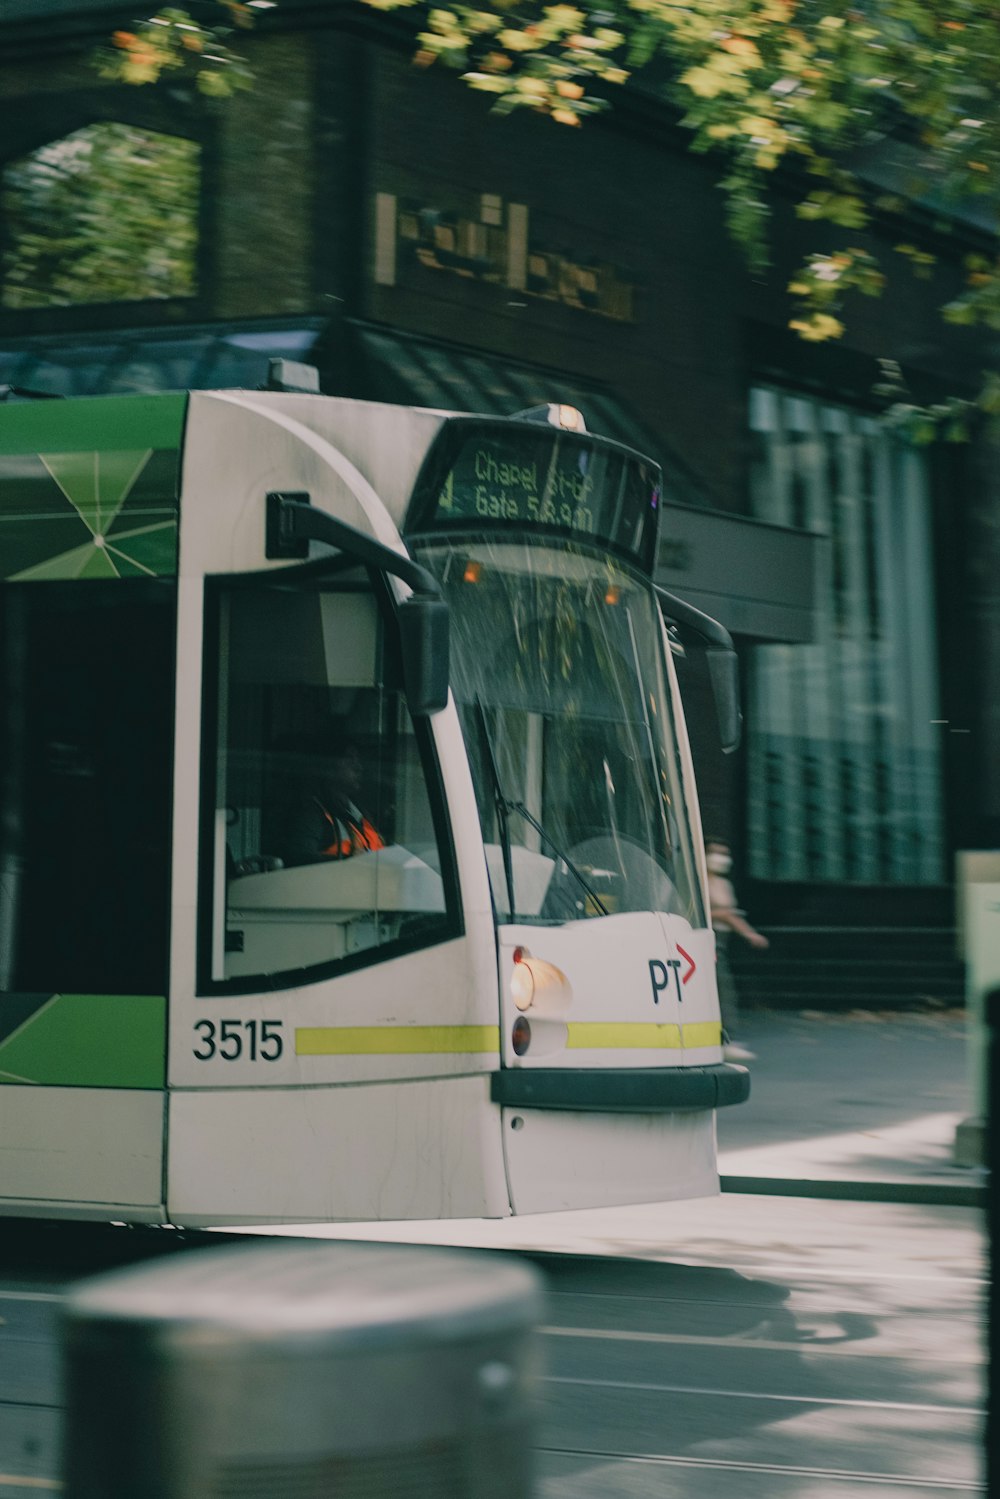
<point>844,777</point>
<point>107,214</point>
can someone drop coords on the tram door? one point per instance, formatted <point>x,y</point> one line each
<point>86,731</point>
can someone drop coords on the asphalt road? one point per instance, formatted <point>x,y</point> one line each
<point>763,1347</point>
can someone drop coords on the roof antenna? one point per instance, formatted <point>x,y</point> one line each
<point>286,374</point>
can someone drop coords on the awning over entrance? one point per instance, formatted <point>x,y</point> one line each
<point>759,580</point>
<point>359,359</point>
<point>205,357</point>
<point>417,371</point>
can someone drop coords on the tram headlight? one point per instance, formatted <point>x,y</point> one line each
<point>522,985</point>
<point>538,986</point>
<point>570,419</point>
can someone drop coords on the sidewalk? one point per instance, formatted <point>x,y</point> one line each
<point>860,1105</point>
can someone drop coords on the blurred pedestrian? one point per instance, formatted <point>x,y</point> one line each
<point>726,918</point>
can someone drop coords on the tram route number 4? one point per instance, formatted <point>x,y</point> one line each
<point>257,1040</point>
<point>660,970</point>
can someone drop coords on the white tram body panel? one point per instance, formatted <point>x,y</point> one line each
<point>373,1110</point>
<point>71,1152</point>
<point>379,1036</point>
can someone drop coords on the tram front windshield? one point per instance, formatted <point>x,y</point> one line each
<point>559,674</point>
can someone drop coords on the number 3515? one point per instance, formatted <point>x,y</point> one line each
<point>257,1040</point>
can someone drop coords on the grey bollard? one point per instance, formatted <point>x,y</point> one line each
<point>303,1370</point>
<point>991,1011</point>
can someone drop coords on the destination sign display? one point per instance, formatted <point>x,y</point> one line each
<point>501,474</point>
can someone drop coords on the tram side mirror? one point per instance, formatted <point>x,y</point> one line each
<point>723,664</point>
<point>724,674</point>
<point>292,522</point>
<point>424,646</point>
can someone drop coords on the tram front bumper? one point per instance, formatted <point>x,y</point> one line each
<point>622,1090</point>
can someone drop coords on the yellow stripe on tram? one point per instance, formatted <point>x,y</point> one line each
<point>641,1036</point>
<point>394,1040</point>
<point>702,1033</point>
<point>430,1040</point>
<point>634,1035</point>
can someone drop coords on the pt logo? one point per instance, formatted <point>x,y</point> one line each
<point>660,970</point>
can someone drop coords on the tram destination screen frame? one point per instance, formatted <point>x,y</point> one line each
<point>500,474</point>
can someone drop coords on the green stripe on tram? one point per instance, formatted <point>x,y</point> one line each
<point>90,1041</point>
<point>90,424</point>
<point>88,488</point>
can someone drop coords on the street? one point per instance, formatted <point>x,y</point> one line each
<point>755,1346</point>
<point>690,1379</point>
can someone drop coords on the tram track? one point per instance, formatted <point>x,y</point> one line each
<point>767,1396</point>
<point>757,1345</point>
<point>791,1470</point>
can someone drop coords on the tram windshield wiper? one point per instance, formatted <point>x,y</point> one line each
<point>500,802</point>
<point>560,854</point>
<point>505,806</point>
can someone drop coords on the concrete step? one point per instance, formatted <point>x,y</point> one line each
<point>851,968</point>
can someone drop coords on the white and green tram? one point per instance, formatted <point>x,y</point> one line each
<point>504,1001</point>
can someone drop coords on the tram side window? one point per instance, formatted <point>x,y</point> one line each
<point>86,719</point>
<point>322,835</point>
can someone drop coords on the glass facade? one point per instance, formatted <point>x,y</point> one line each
<point>843,762</point>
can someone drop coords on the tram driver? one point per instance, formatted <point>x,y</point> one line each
<point>323,817</point>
